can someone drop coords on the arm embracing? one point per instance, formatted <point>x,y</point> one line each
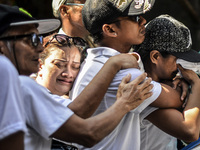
<point>90,131</point>
<point>89,99</point>
<point>183,125</point>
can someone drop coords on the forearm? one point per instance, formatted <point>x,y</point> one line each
<point>192,110</point>
<point>185,125</point>
<point>89,99</point>
<point>105,123</point>
<point>169,98</point>
<point>14,141</point>
<point>89,132</point>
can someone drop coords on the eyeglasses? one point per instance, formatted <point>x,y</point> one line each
<point>135,18</point>
<point>74,4</point>
<point>35,39</point>
<point>64,39</point>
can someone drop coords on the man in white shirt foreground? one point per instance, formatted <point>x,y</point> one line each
<point>12,129</point>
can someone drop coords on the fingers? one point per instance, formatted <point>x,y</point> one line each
<point>123,84</point>
<point>176,82</point>
<point>184,90</point>
<point>180,67</point>
<point>188,74</point>
<point>135,92</point>
<point>126,79</point>
<point>140,79</point>
<point>145,89</point>
<point>126,61</point>
<point>146,83</point>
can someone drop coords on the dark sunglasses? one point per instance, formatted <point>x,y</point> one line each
<point>64,39</point>
<point>35,39</point>
<point>135,18</point>
<point>74,4</point>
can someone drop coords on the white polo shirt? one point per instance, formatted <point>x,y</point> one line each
<point>152,138</point>
<point>44,115</point>
<point>126,136</point>
<point>12,118</point>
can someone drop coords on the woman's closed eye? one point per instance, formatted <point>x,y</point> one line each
<point>60,64</point>
<point>76,66</point>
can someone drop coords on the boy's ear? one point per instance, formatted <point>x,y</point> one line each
<point>109,30</point>
<point>154,56</point>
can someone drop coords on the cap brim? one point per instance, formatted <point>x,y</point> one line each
<point>137,8</point>
<point>44,26</point>
<point>191,56</point>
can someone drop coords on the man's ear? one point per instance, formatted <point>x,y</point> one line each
<point>64,10</point>
<point>154,56</point>
<point>109,30</point>
<point>3,48</point>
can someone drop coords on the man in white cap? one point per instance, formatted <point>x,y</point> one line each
<point>69,12</point>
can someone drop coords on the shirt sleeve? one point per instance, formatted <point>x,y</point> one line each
<point>134,74</point>
<point>43,113</point>
<point>64,101</point>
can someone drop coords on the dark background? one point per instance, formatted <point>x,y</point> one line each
<point>186,11</point>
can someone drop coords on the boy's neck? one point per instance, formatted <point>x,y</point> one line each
<point>116,45</point>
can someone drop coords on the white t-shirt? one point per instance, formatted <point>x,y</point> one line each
<point>152,138</point>
<point>64,101</point>
<point>44,115</point>
<point>126,136</point>
<point>12,118</point>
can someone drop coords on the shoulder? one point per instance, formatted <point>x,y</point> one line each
<point>6,66</point>
<point>29,85</point>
